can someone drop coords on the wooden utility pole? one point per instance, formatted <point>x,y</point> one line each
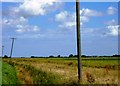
<point>2,50</point>
<point>12,46</point>
<point>78,39</point>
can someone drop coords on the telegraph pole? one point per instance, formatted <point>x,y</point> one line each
<point>78,40</point>
<point>2,50</point>
<point>12,46</point>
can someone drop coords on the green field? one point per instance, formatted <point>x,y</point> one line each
<point>64,70</point>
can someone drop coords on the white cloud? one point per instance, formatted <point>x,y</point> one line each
<point>31,36</point>
<point>111,10</point>
<point>61,16</point>
<point>33,7</point>
<point>70,24</point>
<point>20,25</point>
<point>26,28</point>
<point>113,30</point>
<point>22,19</point>
<point>88,12</point>
<point>66,19</point>
<point>84,19</point>
<point>17,17</point>
<point>14,21</point>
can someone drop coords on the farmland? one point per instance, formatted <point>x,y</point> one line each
<point>64,70</point>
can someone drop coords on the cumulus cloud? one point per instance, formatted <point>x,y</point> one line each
<point>111,10</point>
<point>33,7</point>
<point>89,12</point>
<point>13,22</point>
<point>66,19</point>
<point>83,19</point>
<point>61,16</point>
<point>17,17</point>
<point>20,25</point>
<point>113,30</point>
<point>27,28</point>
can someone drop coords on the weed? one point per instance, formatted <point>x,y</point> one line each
<point>90,78</point>
<point>69,64</point>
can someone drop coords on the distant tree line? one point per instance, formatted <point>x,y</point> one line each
<point>69,56</point>
<point>75,56</point>
<point>5,56</point>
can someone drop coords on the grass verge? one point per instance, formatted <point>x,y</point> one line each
<point>38,76</point>
<point>0,72</point>
<point>8,74</point>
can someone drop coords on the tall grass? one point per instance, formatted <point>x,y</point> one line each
<point>65,71</point>
<point>39,76</point>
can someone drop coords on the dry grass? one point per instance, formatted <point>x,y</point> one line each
<point>23,76</point>
<point>69,73</point>
<point>67,70</point>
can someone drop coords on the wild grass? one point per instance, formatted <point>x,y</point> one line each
<point>36,76</point>
<point>23,75</point>
<point>64,71</point>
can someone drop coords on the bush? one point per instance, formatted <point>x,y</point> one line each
<point>32,56</point>
<point>71,55</point>
<point>51,56</point>
<point>5,56</point>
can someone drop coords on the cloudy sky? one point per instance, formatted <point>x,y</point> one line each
<point>49,28</point>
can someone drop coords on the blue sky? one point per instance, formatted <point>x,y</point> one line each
<point>44,29</point>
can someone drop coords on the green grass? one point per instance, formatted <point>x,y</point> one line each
<point>0,72</point>
<point>8,74</point>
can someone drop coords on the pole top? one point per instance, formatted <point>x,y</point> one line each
<point>13,38</point>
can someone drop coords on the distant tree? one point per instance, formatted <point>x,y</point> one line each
<point>116,55</point>
<point>75,56</point>
<point>51,56</point>
<point>83,55</point>
<point>94,56</point>
<point>58,56</point>
<point>5,56</point>
<point>71,55</point>
<point>32,56</point>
